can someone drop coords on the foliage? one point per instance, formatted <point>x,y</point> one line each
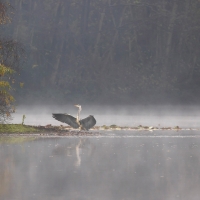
<point>11,53</point>
<point>10,56</point>
<point>16,128</point>
<point>110,48</point>
<point>6,99</point>
<point>23,118</point>
<point>5,12</point>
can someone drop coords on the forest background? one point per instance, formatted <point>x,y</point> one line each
<point>106,51</point>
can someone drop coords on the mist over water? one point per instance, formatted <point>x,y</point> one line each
<point>164,116</point>
<point>102,52</point>
<point>100,168</point>
<point>117,165</point>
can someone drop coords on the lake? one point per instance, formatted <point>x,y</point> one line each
<point>118,165</point>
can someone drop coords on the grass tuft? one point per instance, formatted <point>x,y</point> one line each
<point>16,128</point>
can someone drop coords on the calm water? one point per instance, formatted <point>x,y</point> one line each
<point>116,166</point>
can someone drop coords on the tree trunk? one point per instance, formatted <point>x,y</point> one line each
<point>85,16</point>
<point>110,52</point>
<point>98,35</point>
<point>170,32</point>
<point>56,66</point>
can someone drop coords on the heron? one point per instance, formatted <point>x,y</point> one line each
<point>82,124</point>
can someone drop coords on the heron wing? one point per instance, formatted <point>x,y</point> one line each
<point>68,119</point>
<point>88,122</point>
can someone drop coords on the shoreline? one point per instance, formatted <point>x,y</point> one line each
<point>49,130</point>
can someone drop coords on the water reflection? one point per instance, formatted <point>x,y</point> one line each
<point>101,168</point>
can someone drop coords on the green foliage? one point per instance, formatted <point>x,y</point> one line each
<point>113,126</point>
<point>16,128</point>
<point>10,52</point>
<point>6,99</point>
<point>23,118</point>
<point>5,11</point>
<point>5,70</point>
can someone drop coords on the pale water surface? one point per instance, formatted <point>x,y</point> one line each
<point>115,166</point>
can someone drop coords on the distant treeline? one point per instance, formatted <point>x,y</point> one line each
<point>114,50</point>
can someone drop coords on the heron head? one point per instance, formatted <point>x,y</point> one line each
<point>78,106</point>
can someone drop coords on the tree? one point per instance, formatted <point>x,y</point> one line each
<point>6,99</point>
<point>110,47</point>
<point>10,54</point>
<point>4,14</point>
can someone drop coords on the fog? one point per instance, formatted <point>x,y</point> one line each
<point>106,51</point>
<point>137,53</point>
<point>160,116</point>
<point>100,168</point>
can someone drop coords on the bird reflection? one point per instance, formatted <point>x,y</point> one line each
<point>75,150</point>
<point>78,154</point>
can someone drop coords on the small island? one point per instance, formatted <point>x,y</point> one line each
<point>21,129</point>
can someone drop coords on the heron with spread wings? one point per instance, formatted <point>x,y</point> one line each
<point>82,124</point>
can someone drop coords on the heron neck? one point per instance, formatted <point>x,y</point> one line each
<point>78,114</point>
